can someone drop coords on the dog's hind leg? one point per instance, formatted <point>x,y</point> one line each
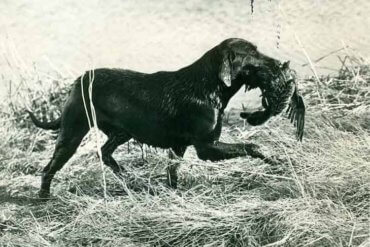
<point>114,140</point>
<point>175,152</point>
<point>172,167</point>
<point>67,143</point>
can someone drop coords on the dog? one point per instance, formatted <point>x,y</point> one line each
<point>170,109</point>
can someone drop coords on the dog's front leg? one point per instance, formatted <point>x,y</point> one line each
<point>220,151</point>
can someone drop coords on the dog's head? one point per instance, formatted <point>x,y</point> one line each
<point>241,61</point>
<point>243,64</point>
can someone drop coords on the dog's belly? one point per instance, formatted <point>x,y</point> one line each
<point>166,131</point>
<point>157,134</point>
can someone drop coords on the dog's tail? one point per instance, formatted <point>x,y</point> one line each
<point>52,125</point>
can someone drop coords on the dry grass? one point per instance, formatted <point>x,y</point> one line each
<point>318,196</point>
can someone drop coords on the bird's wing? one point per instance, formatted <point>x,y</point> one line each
<point>296,113</point>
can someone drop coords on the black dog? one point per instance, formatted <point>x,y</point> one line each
<point>169,109</point>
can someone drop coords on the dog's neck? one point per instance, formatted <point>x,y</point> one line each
<point>203,73</point>
<point>204,77</point>
<point>202,85</point>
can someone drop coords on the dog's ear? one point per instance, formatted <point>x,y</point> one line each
<point>225,70</point>
<point>229,68</point>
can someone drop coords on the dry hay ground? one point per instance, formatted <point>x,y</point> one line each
<point>318,195</point>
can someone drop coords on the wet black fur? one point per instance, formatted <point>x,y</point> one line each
<point>164,109</point>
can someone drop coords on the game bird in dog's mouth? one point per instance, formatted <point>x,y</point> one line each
<point>279,88</point>
<point>174,109</point>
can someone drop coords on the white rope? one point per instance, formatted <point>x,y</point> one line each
<point>95,124</point>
